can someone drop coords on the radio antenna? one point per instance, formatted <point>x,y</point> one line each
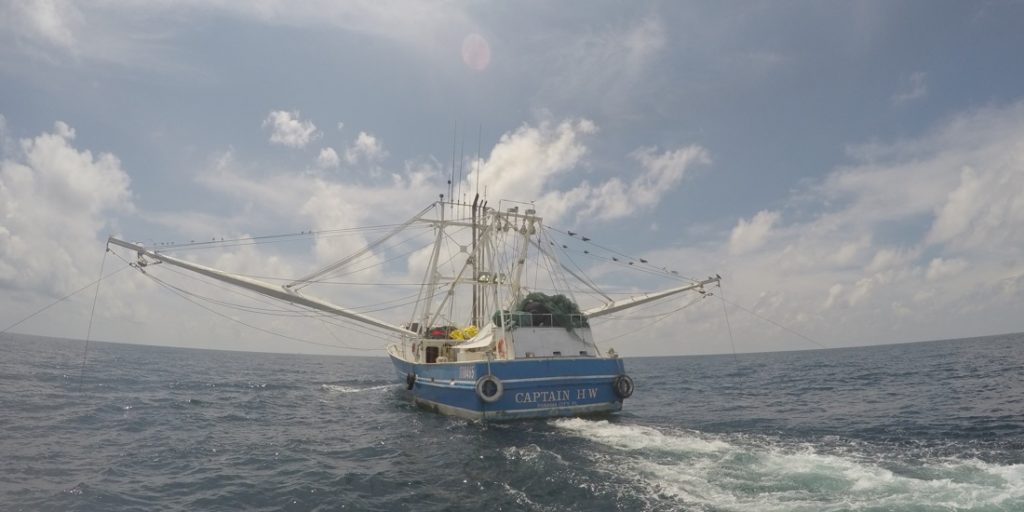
<point>479,137</point>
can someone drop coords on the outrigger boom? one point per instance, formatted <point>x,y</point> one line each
<point>619,305</point>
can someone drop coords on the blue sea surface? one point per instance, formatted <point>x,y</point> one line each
<point>913,427</point>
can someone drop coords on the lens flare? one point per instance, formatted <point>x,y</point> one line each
<point>476,52</point>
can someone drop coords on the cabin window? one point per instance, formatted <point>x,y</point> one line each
<point>432,354</point>
<point>584,353</point>
<point>557,353</point>
<point>530,354</point>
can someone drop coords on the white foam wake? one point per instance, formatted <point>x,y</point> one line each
<point>740,474</point>
<point>353,389</point>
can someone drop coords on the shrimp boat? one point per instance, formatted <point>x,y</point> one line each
<point>495,331</point>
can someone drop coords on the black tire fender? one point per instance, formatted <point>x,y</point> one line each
<point>489,388</point>
<point>410,380</point>
<point>623,386</point>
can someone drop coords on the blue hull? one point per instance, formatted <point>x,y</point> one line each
<point>531,388</point>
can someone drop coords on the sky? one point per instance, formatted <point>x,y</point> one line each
<point>853,170</point>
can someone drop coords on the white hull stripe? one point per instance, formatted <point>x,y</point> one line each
<point>471,383</point>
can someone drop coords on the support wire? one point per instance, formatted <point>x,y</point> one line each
<point>92,314</point>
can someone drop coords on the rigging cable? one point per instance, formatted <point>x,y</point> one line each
<point>732,342</point>
<point>186,295</point>
<point>655,322</point>
<point>182,294</point>
<point>776,324</point>
<point>58,301</point>
<point>644,265</point>
<point>265,239</point>
<point>92,313</point>
<point>277,311</point>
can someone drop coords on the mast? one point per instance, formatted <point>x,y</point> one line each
<point>527,230</point>
<point>473,258</point>
<point>277,292</point>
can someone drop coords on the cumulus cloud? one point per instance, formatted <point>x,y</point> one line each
<point>328,158</point>
<point>287,129</point>
<point>365,148</point>
<point>528,164</point>
<point>749,235</point>
<point>524,161</point>
<point>54,200</point>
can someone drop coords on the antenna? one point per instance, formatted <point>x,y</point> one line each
<point>479,137</point>
<point>451,197</point>
<point>462,160</point>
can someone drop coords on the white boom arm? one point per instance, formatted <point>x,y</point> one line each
<point>637,300</point>
<point>270,290</point>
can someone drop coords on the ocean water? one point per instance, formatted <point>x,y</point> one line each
<point>925,426</point>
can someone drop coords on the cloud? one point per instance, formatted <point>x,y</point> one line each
<point>916,89</point>
<point>542,163</point>
<point>987,207</point>
<point>913,239</point>
<point>532,163</point>
<point>749,235</point>
<point>6,143</point>
<point>54,202</point>
<point>365,148</point>
<point>940,268</point>
<point>887,258</point>
<point>608,66</point>
<point>916,239</point>
<point>287,130</point>
<point>328,158</point>
<point>48,22</point>
<point>524,162</point>
<point>124,30</point>
<point>661,174</point>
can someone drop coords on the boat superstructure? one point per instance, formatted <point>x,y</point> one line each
<point>495,331</point>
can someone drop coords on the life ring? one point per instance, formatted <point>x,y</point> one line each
<point>410,380</point>
<point>501,348</point>
<point>623,386</point>
<point>489,388</point>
